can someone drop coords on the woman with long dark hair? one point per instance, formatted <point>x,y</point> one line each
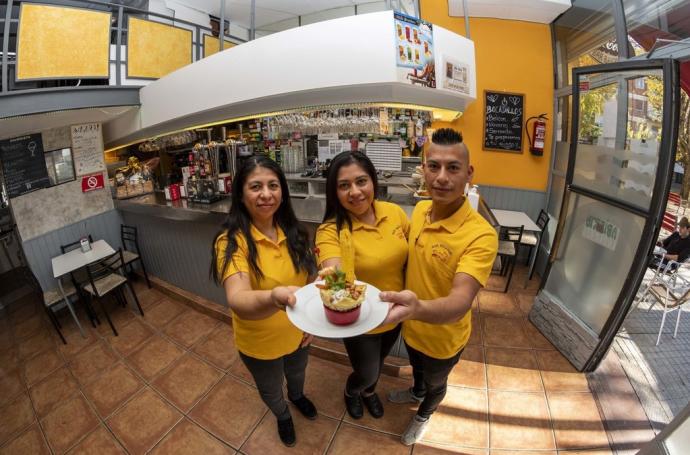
<point>354,228</point>
<point>261,257</point>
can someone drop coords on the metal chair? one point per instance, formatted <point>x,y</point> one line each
<point>79,279</point>
<point>108,276</point>
<point>533,239</point>
<point>659,268</point>
<point>670,289</point>
<point>73,245</point>
<point>129,237</point>
<point>509,239</point>
<point>52,298</point>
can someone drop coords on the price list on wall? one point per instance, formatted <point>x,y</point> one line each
<point>503,120</point>
<point>23,165</point>
<point>87,148</point>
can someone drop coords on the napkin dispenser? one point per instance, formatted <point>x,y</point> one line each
<point>85,244</point>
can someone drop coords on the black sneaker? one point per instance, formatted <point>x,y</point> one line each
<point>306,407</point>
<point>354,406</point>
<point>374,405</point>
<point>286,431</point>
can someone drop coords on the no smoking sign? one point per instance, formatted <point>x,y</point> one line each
<point>92,182</point>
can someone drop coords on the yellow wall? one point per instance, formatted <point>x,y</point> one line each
<point>511,56</point>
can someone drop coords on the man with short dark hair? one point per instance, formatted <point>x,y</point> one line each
<point>677,245</point>
<point>451,252</point>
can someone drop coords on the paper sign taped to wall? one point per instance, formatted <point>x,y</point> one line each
<point>87,148</point>
<point>601,232</point>
<point>456,76</point>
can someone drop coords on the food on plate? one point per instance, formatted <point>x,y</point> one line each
<point>342,299</point>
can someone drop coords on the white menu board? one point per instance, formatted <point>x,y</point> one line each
<point>87,148</point>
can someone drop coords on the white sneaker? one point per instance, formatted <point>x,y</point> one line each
<point>415,430</point>
<point>403,396</point>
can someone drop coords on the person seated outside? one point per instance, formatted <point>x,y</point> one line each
<point>677,246</point>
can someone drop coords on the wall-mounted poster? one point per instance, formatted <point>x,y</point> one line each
<point>87,148</point>
<point>23,165</point>
<point>503,120</point>
<point>414,48</point>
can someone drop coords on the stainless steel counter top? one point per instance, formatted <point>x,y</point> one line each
<point>390,181</point>
<point>309,210</point>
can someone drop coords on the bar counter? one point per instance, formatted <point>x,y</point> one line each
<point>176,237</point>
<point>308,210</point>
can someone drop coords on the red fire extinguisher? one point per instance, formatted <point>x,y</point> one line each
<point>536,141</point>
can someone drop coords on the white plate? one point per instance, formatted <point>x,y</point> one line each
<point>308,313</point>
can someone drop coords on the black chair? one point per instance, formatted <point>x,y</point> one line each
<point>79,279</point>
<point>509,239</point>
<point>131,252</point>
<point>50,299</point>
<point>73,246</point>
<point>533,239</point>
<point>108,276</point>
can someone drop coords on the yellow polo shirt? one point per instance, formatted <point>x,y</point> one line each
<point>274,336</point>
<point>462,243</point>
<point>380,250</point>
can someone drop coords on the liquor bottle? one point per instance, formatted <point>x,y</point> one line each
<point>403,130</point>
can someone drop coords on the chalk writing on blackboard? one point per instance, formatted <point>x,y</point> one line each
<point>23,165</point>
<point>503,120</point>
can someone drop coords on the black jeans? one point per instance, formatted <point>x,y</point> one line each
<point>430,379</point>
<point>367,353</point>
<point>268,376</point>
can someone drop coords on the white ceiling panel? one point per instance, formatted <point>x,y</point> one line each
<point>25,124</point>
<point>267,11</point>
<point>542,11</point>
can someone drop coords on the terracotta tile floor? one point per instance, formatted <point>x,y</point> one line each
<point>172,383</point>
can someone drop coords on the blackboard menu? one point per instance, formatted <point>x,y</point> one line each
<point>23,165</point>
<point>503,120</point>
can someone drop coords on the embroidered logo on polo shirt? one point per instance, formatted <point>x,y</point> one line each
<point>440,252</point>
<point>399,233</point>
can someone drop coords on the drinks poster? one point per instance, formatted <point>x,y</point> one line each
<point>414,51</point>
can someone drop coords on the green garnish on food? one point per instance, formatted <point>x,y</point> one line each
<point>336,281</point>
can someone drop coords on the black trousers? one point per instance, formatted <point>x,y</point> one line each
<point>654,263</point>
<point>430,379</point>
<point>268,376</point>
<point>366,353</point>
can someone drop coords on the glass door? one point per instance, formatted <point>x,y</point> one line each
<point>624,128</point>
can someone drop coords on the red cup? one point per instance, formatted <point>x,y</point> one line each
<point>342,317</point>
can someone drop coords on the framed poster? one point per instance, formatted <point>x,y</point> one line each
<point>504,114</point>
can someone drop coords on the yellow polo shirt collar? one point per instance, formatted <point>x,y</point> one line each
<point>260,237</point>
<point>380,215</point>
<point>450,224</point>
